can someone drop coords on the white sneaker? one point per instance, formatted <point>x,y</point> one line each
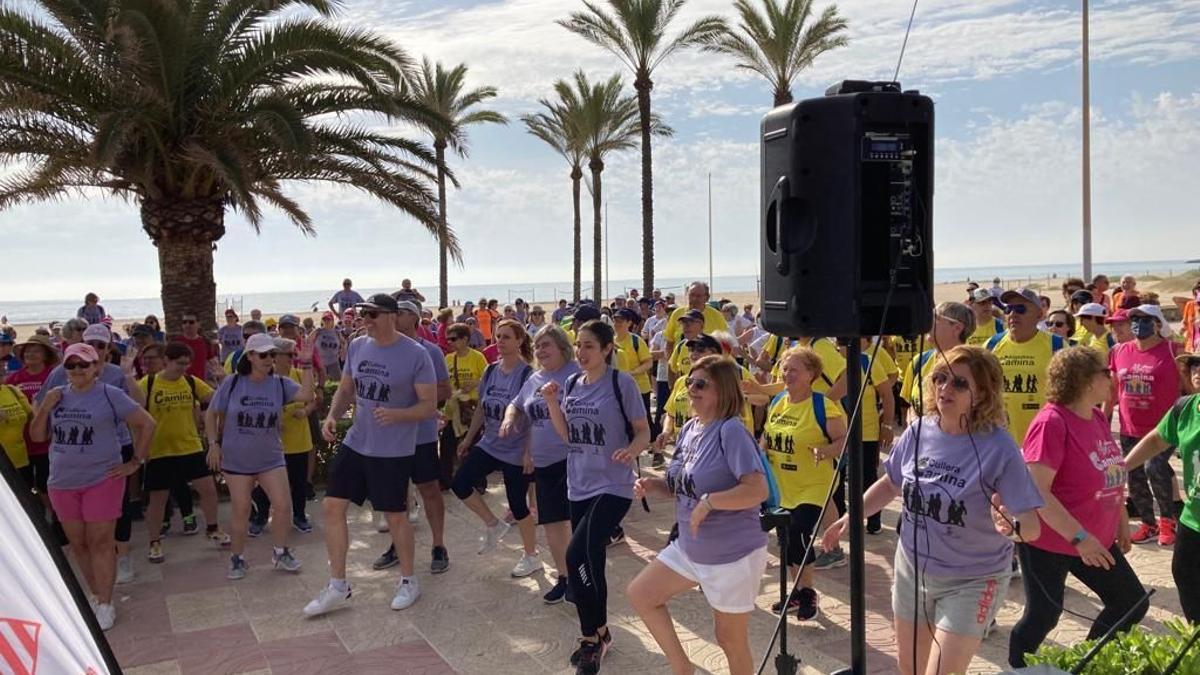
<point>124,569</point>
<point>381,524</point>
<point>414,514</point>
<point>407,592</point>
<point>492,536</point>
<point>528,564</point>
<point>326,601</point>
<point>106,615</point>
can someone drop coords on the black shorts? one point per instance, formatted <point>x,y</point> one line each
<point>359,478</point>
<point>805,521</point>
<point>427,467</point>
<point>165,473</point>
<point>550,483</point>
<point>41,472</point>
<point>478,465</point>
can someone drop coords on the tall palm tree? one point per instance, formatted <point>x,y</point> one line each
<point>193,107</point>
<point>559,126</point>
<point>779,42</point>
<point>636,32</point>
<point>442,91</point>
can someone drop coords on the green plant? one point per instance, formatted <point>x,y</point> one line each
<point>1136,652</point>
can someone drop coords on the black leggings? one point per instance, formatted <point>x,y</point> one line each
<point>592,521</point>
<point>124,527</point>
<point>1118,588</point>
<point>1151,483</point>
<point>297,473</point>
<point>870,471</point>
<point>1185,569</point>
<point>479,465</point>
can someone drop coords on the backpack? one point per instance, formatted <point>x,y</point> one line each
<point>616,387</point>
<point>818,403</point>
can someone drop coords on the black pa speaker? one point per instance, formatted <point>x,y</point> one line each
<point>847,199</point>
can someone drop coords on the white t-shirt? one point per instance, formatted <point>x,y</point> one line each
<point>654,326</point>
<point>659,343</point>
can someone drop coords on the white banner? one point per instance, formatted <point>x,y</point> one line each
<point>41,628</point>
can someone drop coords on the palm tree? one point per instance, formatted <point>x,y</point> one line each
<point>441,90</point>
<point>635,32</point>
<point>559,127</point>
<point>781,42</point>
<point>193,107</point>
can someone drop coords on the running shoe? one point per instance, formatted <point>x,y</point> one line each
<point>301,524</point>
<point>327,600</point>
<point>285,561</point>
<point>221,539</point>
<point>256,528</point>
<point>156,553</point>
<point>874,526</point>
<point>1166,531</point>
<point>1144,534</point>
<point>617,536</point>
<point>407,592</point>
<point>106,615</point>
<point>587,657</point>
<point>381,524</point>
<point>527,565</point>
<point>190,526</point>
<point>830,559</point>
<point>491,538</point>
<point>558,593</point>
<point>792,604</point>
<point>414,514</point>
<point>807,610</point>
<point>388,559</point>
<point>441,560</point>
<point>237,568</point>
<point>124,570</point>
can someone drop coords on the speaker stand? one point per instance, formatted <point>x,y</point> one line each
<point>854,500</point>
<point>779,519</point>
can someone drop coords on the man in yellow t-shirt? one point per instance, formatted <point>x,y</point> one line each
<point>15,412</point>
<point>698,295</point>
<point>691,324</point>
<point>984,306</point>
<point>1024,353</point>
<point>177,456</point>
<point>679,405</point>
<point>466,367</point>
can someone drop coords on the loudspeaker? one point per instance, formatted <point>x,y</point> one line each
<point>847,199</point>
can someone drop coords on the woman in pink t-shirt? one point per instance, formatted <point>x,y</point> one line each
<point>1080,471</point>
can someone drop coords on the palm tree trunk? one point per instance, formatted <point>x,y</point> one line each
<point>186,233</point>
<point>643,85</point>
<point>576,176</point>
<point>443,273</point>
<point>782,97</point>
<point>596,166</point>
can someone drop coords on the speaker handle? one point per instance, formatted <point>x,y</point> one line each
<point>780,196</point>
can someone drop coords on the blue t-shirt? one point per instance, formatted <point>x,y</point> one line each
<point>345,300</point>
<point>84,439</point>
<point>496,390</point>
<point>93,314</point>
<point>427,431</point>
<point>231,339</point>
<point>328,344</point>
<point>595,431</point>
<point>545,444</point>
<point>111,374</point>
<point>385,377</point>
<point>250,440</point>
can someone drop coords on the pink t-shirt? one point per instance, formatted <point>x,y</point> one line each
<point>30,385</point>
<point>1147,385</point>
<point>1090,472</point>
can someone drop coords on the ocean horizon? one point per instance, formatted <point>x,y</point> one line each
<point>124,309</point>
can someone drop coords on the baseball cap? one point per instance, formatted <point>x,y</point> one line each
<point>97,333</point>
<point>82,351</point>
<point>1118,316</point>
<point>692,315</point>
<point>289,319</point>
<point>627,314</point>
<point>408,306</point>
<point>1152,311</point>
<point>1091,309</point>
<point>1026,294</point>
<point>585,313</point>
<point>984,295</point>
<point>381,302</point>
<point>253,326</point>
<point>706,342</point>
<point>260,342</point>
<point>1082,297</point>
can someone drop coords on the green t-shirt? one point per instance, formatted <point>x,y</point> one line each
<point>1181,428</point>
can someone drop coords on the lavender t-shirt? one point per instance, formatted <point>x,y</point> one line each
<point>327,345</point>
<point>546,445</point>
<point>385,377</point>
<point>111,375</point>
<point>950,513</point>
<point>596,431</point>
<point>714,458</point>
<point>250,440</point>
<point>427,430</point>
<point>496,391</point>
<point>231,340</point>
<point>84,438</point>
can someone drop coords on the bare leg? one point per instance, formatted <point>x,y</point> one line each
<point>904,646</point>
<point>403,539</point>
<point>558,535</point>
<point>239,499</point>
<point>733,634</point>
<point>207,489</point>
<point>77,538</point>
<point>103,557</point>
<point>155,507</point>
<point>648,593</point>
<point>435,510</point>
<point>951,653</point>
<point>480,508</point>
<point>528,530</point>
<point>275,484</point>
<point>337,535</point>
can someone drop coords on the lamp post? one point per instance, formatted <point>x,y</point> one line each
<point>1087,155</point>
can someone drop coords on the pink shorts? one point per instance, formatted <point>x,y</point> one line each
<point>92,504</point>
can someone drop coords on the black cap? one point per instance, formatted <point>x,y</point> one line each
<point>627,314</point>
<point>586,313</point>
<point>380,301</point>
<point>1082,297</point>
<point>706,342</point>
<point>692,315</point>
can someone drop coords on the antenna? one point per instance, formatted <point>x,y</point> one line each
<point>904,45</point>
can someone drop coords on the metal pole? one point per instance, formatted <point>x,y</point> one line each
<point>1087,155</point>
<point>854,498</point>
<point>710,264</point>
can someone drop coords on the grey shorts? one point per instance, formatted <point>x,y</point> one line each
<point>961,605</point>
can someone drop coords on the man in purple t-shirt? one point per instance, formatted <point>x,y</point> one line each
<point>391,382</point>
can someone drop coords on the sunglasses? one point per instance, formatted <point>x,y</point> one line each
<point>1057,324</point>
<point>75,365</point>
<point>1016,309</point>
<point>1192,363</point>
<point>372,313</point>
<point>266,355</point>
<point>697,383</point>
<point>188,321</point>
<point>959,382</point>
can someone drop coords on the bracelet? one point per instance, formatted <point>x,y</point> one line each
<point>1080,537</point>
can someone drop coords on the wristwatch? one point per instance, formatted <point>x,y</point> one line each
<point>704,498</point>
<point>1079,537</point>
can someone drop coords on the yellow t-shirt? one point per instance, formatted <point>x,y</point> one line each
<point>833,364</point>
<point>910,387</point>
<point>790,434</point>
<point>627,359</point>
<point>680,361</point>
<point>15,412</point>
<point>984,332</point>
<point>466,372</point>
<point>713,322</point>
<point>1098,342</point>
<point>174,410</point>
<point>881,371</point>
<point>679,406</point>
<point>295,431</point>
<point>1024,368</point>
<point>906,348</point>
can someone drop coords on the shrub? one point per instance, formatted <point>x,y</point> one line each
<point>1137,652</point>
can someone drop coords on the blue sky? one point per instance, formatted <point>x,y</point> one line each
<point>1004,75</point>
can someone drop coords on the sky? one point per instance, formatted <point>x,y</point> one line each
<point>1004,76</point>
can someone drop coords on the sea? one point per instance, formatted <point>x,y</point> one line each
<point>44,311</point>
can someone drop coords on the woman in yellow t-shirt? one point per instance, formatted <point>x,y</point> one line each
<point>466,368</point>
<point>15,412</point>
<point>803,458</point>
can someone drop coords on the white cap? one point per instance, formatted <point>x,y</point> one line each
<point>1092,309</point>
<point>1153,311</point>
<point>97,332</point>
<point>260,342</point>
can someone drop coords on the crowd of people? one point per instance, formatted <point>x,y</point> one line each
<point>995,431</point>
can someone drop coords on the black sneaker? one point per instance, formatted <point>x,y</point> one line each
<point>388,559</point>
<point>558,593</point>
<point>597,649</point>
<point>617,536</point>
<point>441,559</point>
<point>793,603</point>
<point>808,610</point>
<point>874,526</point>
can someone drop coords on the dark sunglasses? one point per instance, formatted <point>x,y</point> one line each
<point>959,382</point>
<point>1057,324</point>
<point>1016,309</point>
<point>698,383</point>
<point>187,321</point>
<point>75,365</point>
<point>372,313</point>
<point>266,355</point>
<point>1192,363</point>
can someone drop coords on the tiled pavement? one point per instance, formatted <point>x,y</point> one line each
<point>184,617</point>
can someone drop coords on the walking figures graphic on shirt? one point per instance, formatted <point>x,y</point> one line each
<point>929,499</point>
<point>73,434</point>
<point>262,420</point>
<point>1021,385</point>
<point>583,431</point>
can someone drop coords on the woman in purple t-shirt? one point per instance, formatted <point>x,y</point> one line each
<point>1081,475</point>
<point>954,467</point>
<point>717,481</point>
<point>605,426</point>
